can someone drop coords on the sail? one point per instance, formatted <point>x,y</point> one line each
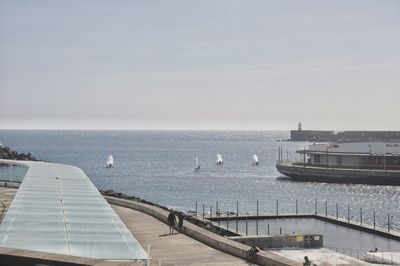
<point>110,160</point>
<point>219,159</point>
<point>197,162</point>
<point>255,159</point>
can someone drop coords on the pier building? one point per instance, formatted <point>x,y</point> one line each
<point>358,162</point>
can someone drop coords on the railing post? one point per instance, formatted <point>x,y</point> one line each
<point>246,226</point>
<point>237,214</point>
<point>280,230</point>
<point>348,213</point>
<point>268,229</point>
<point>388,222</point>
<point>227,220</point>
<point>277,207</point>
<point>210,211</point>
<point>216,208</point>
<point>257,220</point>
<point>315,207</point>
<point>296,208</point>
<point>257,207</point>
<point>361,216</point>
<point>257,227</point>
<point>196,209</point>
<point>337,211</point>
<point>279,155</point>
<point>203,212</point>
<point>374,220</point>
<point>326,208</point>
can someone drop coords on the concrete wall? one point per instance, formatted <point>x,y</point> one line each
<point>282,241</point>
<point>9,184</point>
<point>20,257</point>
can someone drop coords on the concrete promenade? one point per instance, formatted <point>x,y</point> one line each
<point>6,196</point>
<point>176,249</point>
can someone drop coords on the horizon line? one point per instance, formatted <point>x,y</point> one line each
<point>184,129</point>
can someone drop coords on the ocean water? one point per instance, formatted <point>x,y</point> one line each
<point>158,166</point>
<point>349,241</point>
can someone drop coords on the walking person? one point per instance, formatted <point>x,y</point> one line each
<point>180,222</point>
<point>171,222</point>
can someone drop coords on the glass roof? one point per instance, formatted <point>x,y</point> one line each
<point>57,209</point>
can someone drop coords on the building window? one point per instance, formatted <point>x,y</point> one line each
<point>317,159</point>
<point>339,160</point>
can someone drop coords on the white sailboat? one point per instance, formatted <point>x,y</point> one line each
<point>255,159</point>
<point>219,159</point>
<point>197,165</point>
<point>110,161</point>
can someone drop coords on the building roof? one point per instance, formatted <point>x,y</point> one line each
<point>57,209</point>
<point>355,148</point>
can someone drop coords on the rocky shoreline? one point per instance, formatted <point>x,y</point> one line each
<point>206,225</point>
<point>10,154</point>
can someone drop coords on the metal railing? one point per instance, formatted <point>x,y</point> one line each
<point>372,256</point>
<point>343,212</point>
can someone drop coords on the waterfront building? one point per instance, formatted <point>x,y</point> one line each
<point>358,162</point>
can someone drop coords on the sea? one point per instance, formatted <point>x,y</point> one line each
<point>158,166</point>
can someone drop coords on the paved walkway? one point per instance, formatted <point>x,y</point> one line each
<point>6,196</point>
<point>176,249</point>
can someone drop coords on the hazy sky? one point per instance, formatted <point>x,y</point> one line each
<point>200,64</point>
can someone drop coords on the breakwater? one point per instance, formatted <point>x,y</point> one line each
<point>343,136</point>
<point>10,154</point>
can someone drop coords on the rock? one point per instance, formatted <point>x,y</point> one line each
<point>7,153</point>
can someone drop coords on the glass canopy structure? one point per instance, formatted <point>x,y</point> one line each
<point>57,209</point>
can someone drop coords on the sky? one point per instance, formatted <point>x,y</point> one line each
<point>211,64</point>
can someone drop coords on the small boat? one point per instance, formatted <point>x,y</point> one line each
<point>110,161</point>
<point>197,166</point>
<point>219,159</point>
<point>255,159</point>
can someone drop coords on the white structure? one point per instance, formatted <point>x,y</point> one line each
<point>57,209</point>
